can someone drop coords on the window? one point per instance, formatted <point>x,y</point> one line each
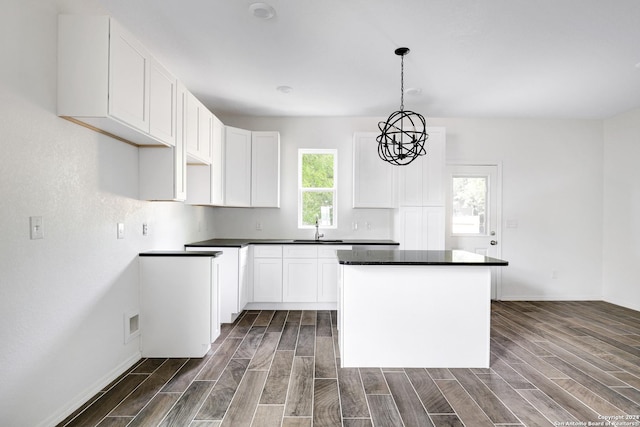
<point>469,205</point>
<point>317,188</point>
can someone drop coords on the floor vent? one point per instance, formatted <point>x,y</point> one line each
<point>131,326</point>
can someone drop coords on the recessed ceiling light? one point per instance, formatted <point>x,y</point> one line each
<point>413,91</point>
<point>262,10</point>
<point>284,89</point>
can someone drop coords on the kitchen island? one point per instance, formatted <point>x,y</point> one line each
<point>414,309</point>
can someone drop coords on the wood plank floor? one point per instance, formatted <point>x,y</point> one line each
<point>552,363</point>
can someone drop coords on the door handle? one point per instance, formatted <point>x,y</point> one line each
<point>493,242</point>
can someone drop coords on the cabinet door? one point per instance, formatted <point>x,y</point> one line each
<point>267,279</point>
<point>420,228</point>
<point>433,228</point>
<point>265,169</point>
<point>128,79</point>
<point>328,279</point>
<point>237,160</point>
<point>162,103</point>
<point>300,279</point>
<point>408,228</point>
<point>215,301</point>
<point>411,183</point>
<point>191,126</point>
<point>433,174</point>
<point>180,156</point>
<point>243,278</point>
<point>217,162</point>
<point>421,183</point>
<point>205,127</point>
<point>374,180</point>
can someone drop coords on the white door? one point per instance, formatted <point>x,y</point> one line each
<point>473,213</point>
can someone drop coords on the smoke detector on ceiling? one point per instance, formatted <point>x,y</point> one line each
<point>262,10</point>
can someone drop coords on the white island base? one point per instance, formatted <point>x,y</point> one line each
<point>414,316</point>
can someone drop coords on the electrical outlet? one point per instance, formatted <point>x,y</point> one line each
<point>145,229</point>
<point>37,227</point>
<point>259,226</point>
<point>120,230</point>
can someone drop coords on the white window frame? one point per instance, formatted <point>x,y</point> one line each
<point>301,153</point>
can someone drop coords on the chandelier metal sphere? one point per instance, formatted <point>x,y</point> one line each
<point>404,134</point>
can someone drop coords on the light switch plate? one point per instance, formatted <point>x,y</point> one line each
<point>37,227</point>
<point>120,230</point>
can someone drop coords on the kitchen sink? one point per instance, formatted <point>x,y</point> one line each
<point>316,241</point>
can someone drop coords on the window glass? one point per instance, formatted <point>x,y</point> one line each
<point>469,205</point>
<point>317,188</point>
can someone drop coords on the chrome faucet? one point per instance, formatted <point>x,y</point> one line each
<point>318,235</point>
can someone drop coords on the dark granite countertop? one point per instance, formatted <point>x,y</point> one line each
<point>238,243</point>
<point>182,253</point>
<point>402,257</point>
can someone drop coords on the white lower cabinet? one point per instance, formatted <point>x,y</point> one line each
<point>300,279</point>
<point>179,305</point>
<point>299,273</point>
<point>234,280</point>
<point>327,279</point>
<point>294,274</point>
<point>267,273</point>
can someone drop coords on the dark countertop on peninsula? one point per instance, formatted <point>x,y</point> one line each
<point>238,243</point>
<point>182,253</point>
<point>402,257</point>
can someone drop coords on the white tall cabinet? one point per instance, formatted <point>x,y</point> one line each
<point>419,221</point>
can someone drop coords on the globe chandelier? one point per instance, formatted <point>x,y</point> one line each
<point>404,134</point>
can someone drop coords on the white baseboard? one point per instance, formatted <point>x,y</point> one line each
<point>90,391</point>
<point>292,306</point>
<point>551,298</point>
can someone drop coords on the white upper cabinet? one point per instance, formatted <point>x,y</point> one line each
<point>162,170</point>
<point>422,181</point>
<point>237,161</point>
<point>265,169</point>
<point>244,170</point>
<point>374,180</point>
<point>129,65</point>
<point>105,82</point>
<point>198,131</point>
<point>163,103</point>
<point>205,182</point>
<point>217,163</point>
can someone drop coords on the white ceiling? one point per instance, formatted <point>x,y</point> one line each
<point>470,58</point>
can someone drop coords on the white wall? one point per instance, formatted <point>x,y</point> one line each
<point>552,189</point>
<point>621,248</point>
<point>63,298</point>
